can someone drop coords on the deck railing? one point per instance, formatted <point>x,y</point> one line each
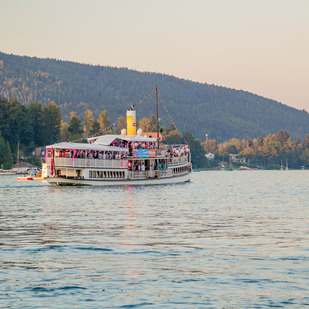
<point>103,163</point>
<point>88,163</point>
<point>150,174</point>
<point>178,160</point>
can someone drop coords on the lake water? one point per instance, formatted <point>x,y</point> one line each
<point>224,240</point>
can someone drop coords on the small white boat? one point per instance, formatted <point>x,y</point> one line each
<point>29,177</point>
<point>7,172</point>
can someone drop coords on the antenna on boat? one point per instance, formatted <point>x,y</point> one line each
<point>157,106</point>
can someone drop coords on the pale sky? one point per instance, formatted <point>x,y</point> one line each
<point>260,46</point>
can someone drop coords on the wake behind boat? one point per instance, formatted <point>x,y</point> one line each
<point>125,159</point>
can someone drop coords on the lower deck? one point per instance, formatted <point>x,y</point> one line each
<point>94,173</point>
<point>66,181</point>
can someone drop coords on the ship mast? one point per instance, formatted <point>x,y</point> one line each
<point>157,106</point>
<point>18,154</point>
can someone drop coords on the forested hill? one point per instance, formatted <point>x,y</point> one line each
<point>220,112</point>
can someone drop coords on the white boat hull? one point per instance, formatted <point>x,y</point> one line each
<point>61,181</point>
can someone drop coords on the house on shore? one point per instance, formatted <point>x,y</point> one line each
<point>234,158</point>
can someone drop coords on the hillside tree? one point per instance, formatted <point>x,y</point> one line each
<point>51,123</point>
<point>88,122</point>
<point>75,127</point>
<point>104,122</point>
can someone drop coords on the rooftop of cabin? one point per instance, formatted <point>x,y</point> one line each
<point>109,139</point>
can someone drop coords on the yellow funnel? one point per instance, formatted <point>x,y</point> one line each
<point>131,122</point>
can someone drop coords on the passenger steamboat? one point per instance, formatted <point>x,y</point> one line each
<point>125,159</point>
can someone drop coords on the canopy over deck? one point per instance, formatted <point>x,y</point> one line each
<point>84,146</point>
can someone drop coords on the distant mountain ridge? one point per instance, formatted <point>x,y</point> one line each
<point>220,112</point>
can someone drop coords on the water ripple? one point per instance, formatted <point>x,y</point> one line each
<point>236,240</point>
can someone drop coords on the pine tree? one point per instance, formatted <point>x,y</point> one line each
<point>2,150</point>
<point>8,158</point>
<point>95,128</point>
<point>36,114</point>
<point>51,123</point>
<point>75,127</point>
<point>306,141</point>
<point>64,132</point>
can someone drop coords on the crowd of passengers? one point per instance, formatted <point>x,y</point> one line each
<point>105,155</point>
<point>116,155</point>
<point>92,154</point>
<point>134,145</point>
<point>141,167</point>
